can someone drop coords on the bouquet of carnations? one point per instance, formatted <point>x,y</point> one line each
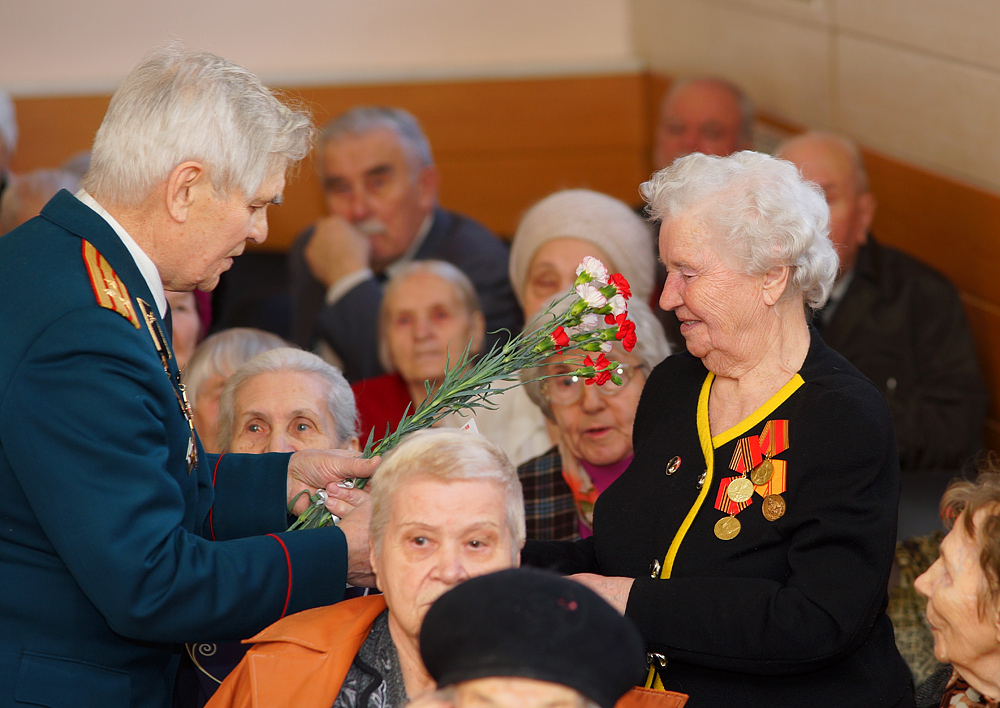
<point>588,318</point>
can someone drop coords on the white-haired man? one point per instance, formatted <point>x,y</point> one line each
<point>902,324</point>
<point>381,188</point>
<point>120,538</point>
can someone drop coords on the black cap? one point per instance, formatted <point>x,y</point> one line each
<point>532,624</point>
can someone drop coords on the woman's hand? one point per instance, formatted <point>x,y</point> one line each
<point>614,590</point>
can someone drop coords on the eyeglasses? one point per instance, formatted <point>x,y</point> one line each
<point>567,390</point>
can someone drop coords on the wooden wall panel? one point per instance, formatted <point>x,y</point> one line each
<point>500,145</point>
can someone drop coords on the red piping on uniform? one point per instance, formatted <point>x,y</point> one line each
<point>288,561</point>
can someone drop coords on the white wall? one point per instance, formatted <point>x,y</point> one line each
<point>66,46</point>
<point>917,79</point>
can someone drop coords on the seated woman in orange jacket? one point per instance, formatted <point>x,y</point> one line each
<point>447,507</point>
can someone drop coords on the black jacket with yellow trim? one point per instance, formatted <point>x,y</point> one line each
<point>790,612</point>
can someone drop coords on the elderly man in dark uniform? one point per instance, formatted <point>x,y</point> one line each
<point>119,537</point>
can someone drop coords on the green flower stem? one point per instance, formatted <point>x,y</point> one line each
<point>469,385</point>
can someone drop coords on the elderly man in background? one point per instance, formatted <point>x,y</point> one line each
<point>8,138</point>
<point>120,537</point>
<point>26,194</point>
<point>706,115</point>
<point>902,324</point>
<point>285,400</point>
<point>447,507</point>
<point>381,188</point>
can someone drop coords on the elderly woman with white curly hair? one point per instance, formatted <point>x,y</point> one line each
<point>752,536</point>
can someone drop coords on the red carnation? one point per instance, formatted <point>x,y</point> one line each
<point>609,319</point>
<point>626,332</point>
<point>618,280</point>
<point>600,378</point>
<point>559,337</point>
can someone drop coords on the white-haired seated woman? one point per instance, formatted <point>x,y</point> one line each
<point>429,315</point>
<point>752,536</point>
<point>594,428</point>
<point>284,400</point>
<point>962,588</point>
<point>446,507</point>
<point>214,361</point>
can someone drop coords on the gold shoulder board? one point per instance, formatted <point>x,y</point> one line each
<point>109,290</point>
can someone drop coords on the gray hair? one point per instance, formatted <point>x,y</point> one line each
<point>651,347</point>
<point>338,396</point>
<point>760,208</point>
<point>747,109</point>
<point>223,353</point>
<point>364,119</point>
<point>30,189</point>
<point>447,272</point>
<point>446,456</point>
<point>178,105</point>
<point>8,123</point>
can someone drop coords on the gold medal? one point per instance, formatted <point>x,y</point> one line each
<point>773,507</point>
<point>740,489</point>
<point>726,528</point>
<point>762,472</point>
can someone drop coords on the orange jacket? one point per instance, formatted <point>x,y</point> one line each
<point>300,661</point>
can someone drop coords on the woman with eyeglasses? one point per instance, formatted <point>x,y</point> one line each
<point>594,430</point>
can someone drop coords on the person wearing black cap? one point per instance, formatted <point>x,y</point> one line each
<point>530,638</point>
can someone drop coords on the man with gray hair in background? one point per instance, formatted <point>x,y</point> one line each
<point>381,190</point>
<point>902,324</point>
<point>121,538</point>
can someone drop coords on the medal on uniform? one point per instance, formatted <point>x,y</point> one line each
<point>762,472</point>
<point>727,528</point>
<point>758,472</point>
<point>773,507</point>
<point>725,501</point>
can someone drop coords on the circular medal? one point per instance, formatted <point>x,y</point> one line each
<point>727,527</point>
<point>740,489</point>
<point>773,507</point>
<point>762,473</point>
<point>673,465</point>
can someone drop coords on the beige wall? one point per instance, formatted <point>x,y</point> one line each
<point>916,79</point>
<point>66,47</point>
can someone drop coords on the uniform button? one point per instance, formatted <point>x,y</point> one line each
<point>654,569</point>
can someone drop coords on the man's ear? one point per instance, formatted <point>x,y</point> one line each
<point>428,181</point>
<point>775,284</point>
<point>354,444</point>
<point>183,185</point>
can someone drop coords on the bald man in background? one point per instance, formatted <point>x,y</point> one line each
<point>707,115</point>
<point>901,323</point>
